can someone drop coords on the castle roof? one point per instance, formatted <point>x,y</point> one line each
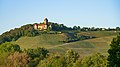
<point>39,24</point>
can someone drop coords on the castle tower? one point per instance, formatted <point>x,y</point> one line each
<point>35,26</point>
<point>45,21</point>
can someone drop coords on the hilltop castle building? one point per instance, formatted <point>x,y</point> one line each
<point>42,26</point>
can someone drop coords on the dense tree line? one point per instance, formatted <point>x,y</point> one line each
<point>13,56</point>
<point>94,29</point>
<point>14,34</point>
<point>62,27</point>
<point>28,30</point>
<point>73,36</point>
<point>72,59</point>
<point>114,53</point>
<point>58,27</point>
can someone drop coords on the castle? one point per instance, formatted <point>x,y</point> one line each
<point>42,26</point>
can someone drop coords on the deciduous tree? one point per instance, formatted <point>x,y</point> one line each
<point>114,53</point>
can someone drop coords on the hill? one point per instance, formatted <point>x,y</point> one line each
<point>85,47</point>
<point>43,40</point>
<point>99,33</point>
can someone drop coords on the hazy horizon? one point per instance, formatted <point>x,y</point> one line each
<point>84,13</point>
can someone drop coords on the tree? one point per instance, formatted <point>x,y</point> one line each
<point>49,28</point>
<point>75,27</point>
<point>71,57</point>
<point>36,55</point>
<point>114,53</point>
<point>38,52</point>
<point>18,60</point>
<point>79,28</point>
<point>117,28</point>
<point>77,63</point>
<point>5,49</point>
<point>9,47</point>
<point>96,60</point>
<point>54,60</point>
<point>14,34</point>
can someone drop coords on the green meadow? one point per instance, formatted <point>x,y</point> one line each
<point>53,42</point>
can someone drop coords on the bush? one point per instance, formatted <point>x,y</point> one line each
<point>96,60</point>
<point>18,60</point>
<point>54,60</point>
<point>36,55</point>
<point>9,47</point>
<point>114,53</point>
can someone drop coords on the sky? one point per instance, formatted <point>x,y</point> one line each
<point>84,13</point>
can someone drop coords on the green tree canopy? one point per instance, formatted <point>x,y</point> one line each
<point>114,53</point>
<point>54,60</point>
<point>18,60</point>
<point>9,47</point>
<point>71,57</point>
<point>96,60</point>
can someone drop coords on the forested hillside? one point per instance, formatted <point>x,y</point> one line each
<point>58,46</point>
<point>28,30</point>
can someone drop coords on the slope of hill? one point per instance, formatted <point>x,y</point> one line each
<point>43,40</point>
<point>85,47</point>
<point>99,33</point>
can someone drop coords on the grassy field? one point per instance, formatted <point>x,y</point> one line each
<point>85,47</point>
<point>99,33</point>
<point>44,40</point>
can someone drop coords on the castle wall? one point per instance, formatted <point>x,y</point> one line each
<point>41,26</point>
<point>35,26</point>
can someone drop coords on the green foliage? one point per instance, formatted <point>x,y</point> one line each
<point>49,28</point>
<point>29,57</point>
<point>40,57</point>
<point>43,40</point>
<point>5,49</point>
<point>74,36</point>
<point>9,47</point>
<point>99,33</point>
<point>71,57</point>
<point>28,30</point>
<point>36,55</point>
<point>3,59</point>
<point>12,35</point>
<point>58,27</point>
<point>76,28</point>
<point>117,28</point>
<point>84,47</point>
<point>114,53</point>
<point>77,63</point>
<point>38,52</point>
<point>96,60</point>
<point>54,60</point>
<point>18,60</point>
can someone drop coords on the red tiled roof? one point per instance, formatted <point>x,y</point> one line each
<point>39,24</point>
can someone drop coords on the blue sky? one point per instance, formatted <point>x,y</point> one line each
<point>97,13</point>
